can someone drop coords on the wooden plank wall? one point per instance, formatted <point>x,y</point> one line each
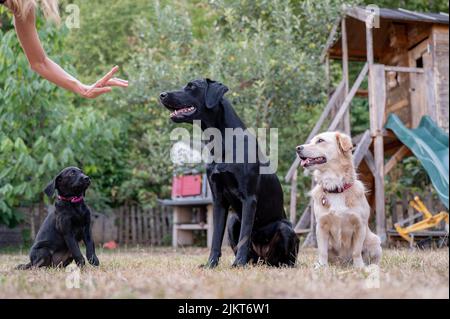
<point>440,43</point>
<point>398,94</point>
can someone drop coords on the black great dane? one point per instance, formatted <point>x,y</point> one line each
<point>258,229</point>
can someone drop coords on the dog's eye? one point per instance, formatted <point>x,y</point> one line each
<point>190,86</point>
<point>320,141</point>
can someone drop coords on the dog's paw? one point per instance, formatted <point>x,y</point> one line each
<point>239,263</point>
<point>211,264</point>
<point>319,265</point>
<point>23,267</point>
<point>94,261</point>
<point>359,265</point>
<point>80,262</point>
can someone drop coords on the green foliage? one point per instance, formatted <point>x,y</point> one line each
<point>266,51</point>
<point>41,131</point>
<point>409,175</point>
<point>104,37</point>
<point>416,5</point>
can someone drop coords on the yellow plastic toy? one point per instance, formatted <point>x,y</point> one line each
<point>429,220</point>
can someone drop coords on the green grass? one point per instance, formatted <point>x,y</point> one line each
<point>169,273</point>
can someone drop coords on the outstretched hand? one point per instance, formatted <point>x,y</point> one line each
<point>104,85</point>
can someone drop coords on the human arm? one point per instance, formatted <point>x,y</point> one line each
<point>48,69</point>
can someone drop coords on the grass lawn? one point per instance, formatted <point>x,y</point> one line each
<point>169,273</point>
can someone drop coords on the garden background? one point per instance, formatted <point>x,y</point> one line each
<point>266,51</point>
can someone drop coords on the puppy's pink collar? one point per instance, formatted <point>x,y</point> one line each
<point>73,199</point>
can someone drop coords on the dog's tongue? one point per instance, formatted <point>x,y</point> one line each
<point>304,162</point>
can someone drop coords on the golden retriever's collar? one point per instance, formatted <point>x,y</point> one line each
<point>338,189</point>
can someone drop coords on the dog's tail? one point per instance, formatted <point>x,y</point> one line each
<point>24,266</point>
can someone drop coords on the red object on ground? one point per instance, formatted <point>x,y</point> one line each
<point>186,185</point>
<point>110,245</point>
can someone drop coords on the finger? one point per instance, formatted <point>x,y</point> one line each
<point>121,80</point>
<point>117,82</point>
<point>107,77</point>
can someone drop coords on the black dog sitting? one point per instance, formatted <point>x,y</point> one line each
<point>56,244</point>
<point>258,231</point>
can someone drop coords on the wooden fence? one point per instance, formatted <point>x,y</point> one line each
<point>144,226</point>
<point>132,224</point>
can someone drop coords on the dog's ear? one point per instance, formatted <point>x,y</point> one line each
<point>52,186</point>
<point>345,142</point>
<point>214,93</point>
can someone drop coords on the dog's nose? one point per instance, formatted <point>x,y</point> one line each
<point>163,95</point>
<point>299,148</point>
<point>87,179</point>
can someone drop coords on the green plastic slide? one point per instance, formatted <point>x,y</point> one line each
<point>429,143</point>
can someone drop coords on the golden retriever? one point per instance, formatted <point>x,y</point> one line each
<point>340,205</point>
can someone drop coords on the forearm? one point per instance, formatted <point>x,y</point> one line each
<point>39,62</point>
<point>55,74</point>
<point>44,66</point>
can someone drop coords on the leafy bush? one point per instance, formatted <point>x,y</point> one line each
<point>41,131</point>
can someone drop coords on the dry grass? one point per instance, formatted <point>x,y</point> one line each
<point>166,273</point>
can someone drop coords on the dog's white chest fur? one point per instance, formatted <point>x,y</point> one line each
<point>336,203</point>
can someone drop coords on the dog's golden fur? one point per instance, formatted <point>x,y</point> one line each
<point>343,233</point>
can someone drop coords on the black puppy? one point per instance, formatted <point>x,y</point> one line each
<point>56,244</point>
<point>258,230</point>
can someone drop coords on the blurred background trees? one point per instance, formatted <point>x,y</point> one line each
<point>266,51</point>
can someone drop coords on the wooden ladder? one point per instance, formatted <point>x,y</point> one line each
<point>306,223</point>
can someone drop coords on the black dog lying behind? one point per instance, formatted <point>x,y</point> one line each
<point>56,244</point>
<point>258,231</point>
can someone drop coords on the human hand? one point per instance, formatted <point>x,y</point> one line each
<point>102,86</point>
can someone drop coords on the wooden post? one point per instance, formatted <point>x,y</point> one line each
<point>152,226</point>
<point>369,44</point>
<point>377,103</point>
<point>379,187</point>
<point>126,213</point>
<point>139,224</point>
<point>158,226</point>
<point>163,211</point>
<point>377,99</point>
<point>32,223</point>
<point>327,75</point>
<point>345,73</point>
<point>133,224</point>
<point>145,217</point>
<point>174,229</point>
<point>120,224</point>
<point>293,206</point>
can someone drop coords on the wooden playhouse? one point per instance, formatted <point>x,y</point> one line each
<point>404,56</point>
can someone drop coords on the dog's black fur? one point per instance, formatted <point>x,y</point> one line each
<point>56,244</point>
<point>256,199</point>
